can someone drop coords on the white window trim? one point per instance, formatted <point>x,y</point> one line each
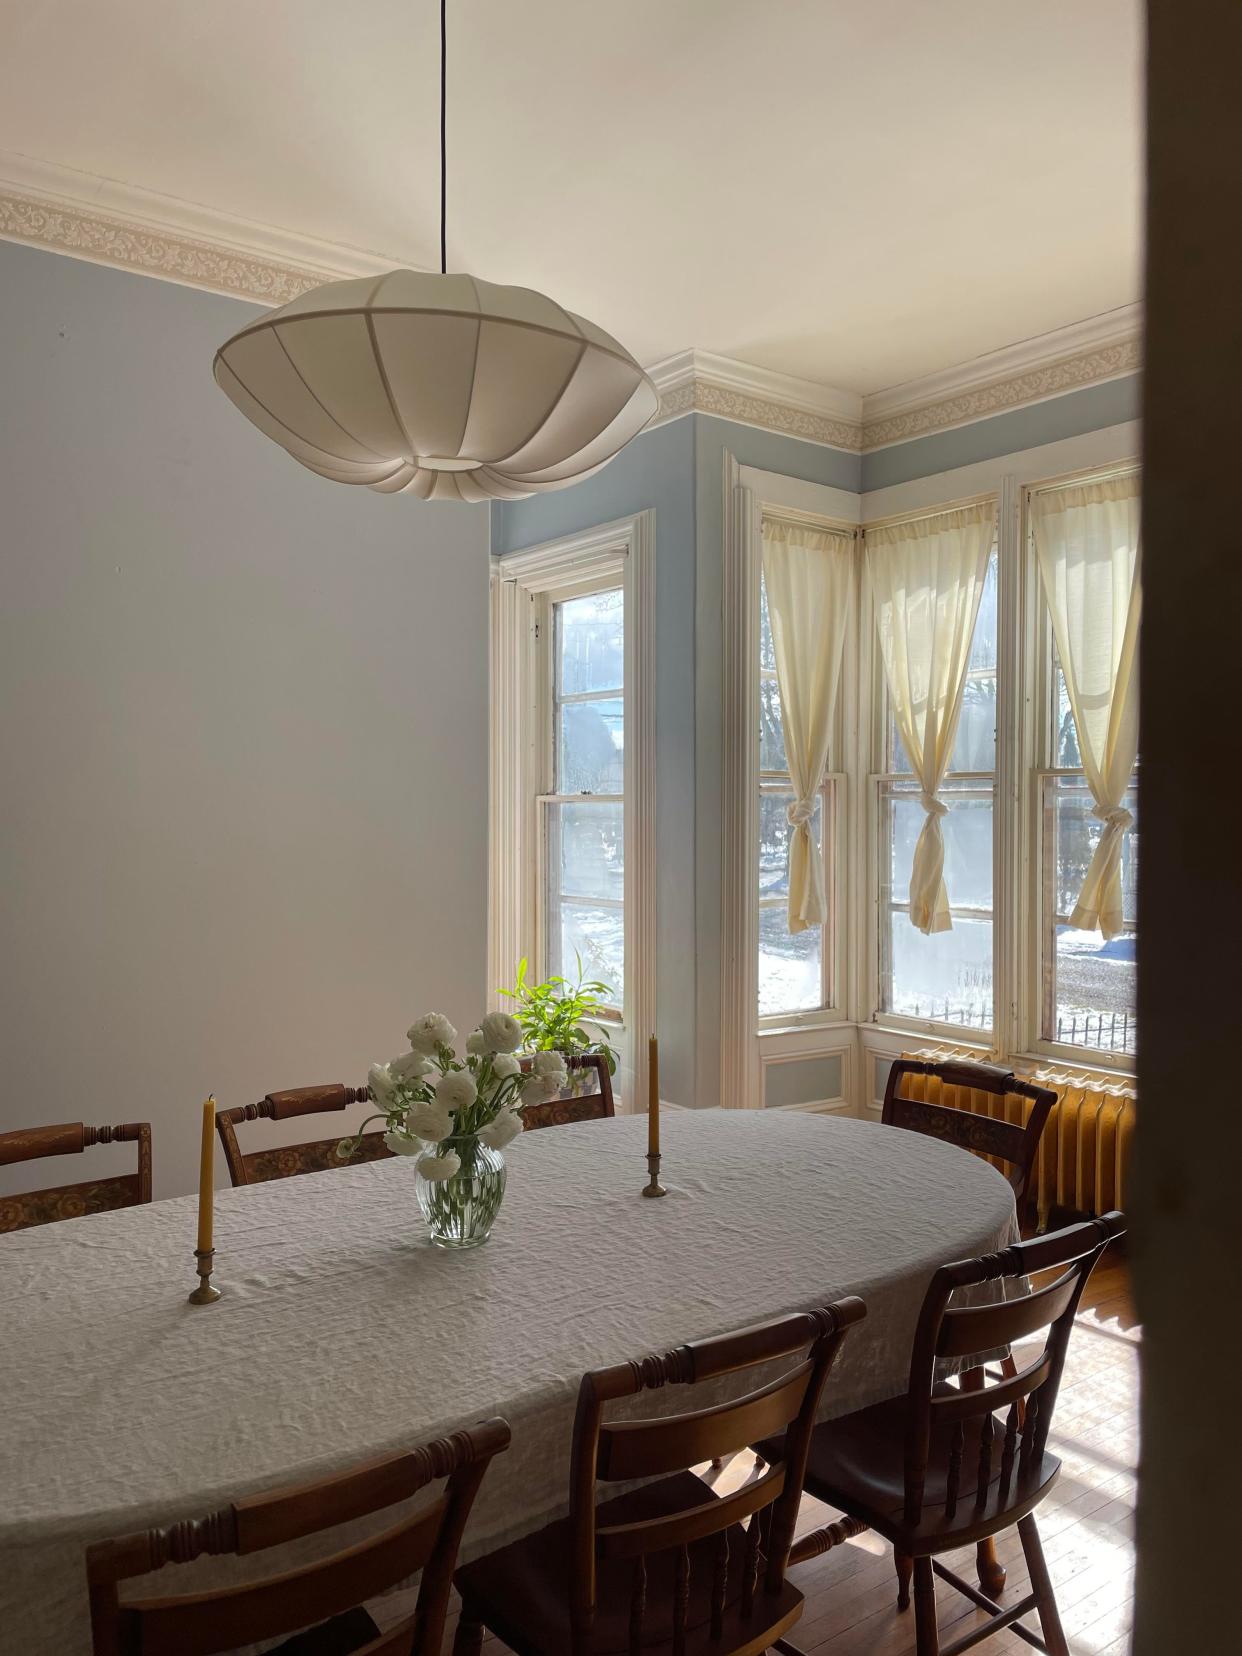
<point>746,1041</point>
<point>623,551</point>
<point>1016,1036</point>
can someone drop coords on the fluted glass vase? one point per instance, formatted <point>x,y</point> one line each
<point>461,1210</point>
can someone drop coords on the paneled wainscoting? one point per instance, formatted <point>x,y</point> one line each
<point>1086,1524</point>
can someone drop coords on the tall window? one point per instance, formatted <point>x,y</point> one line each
<point>583,810</point>
<point>1084,539</point>
<point>946,976</point>
<point>795,968</point>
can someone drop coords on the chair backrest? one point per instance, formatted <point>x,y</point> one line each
<point>631,1449</point>
<point>595,1105</point>
<point>200,1623</point>
<point>1013,1142</point>
<point>71,1138</point>
<point>286,1160</point>
<point>954,1334</point>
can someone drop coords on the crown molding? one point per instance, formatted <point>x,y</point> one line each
<point>699,382</point>
<point>58,208</point>
<point>66,211</point>
<point>1085,353</point>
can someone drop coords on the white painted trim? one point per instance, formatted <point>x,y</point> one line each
<point>1109,446</point>
<point>623,550</point>
<point>817,500</point>
<point>746,1044</point>
<point>108,222</point>
<point>739,769</point>
<point>1091,352</point>
<point>695,381</point>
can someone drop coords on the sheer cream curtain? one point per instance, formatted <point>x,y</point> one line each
<point>1087,544</point>
<point>806,573</point>
<point>926,581</point>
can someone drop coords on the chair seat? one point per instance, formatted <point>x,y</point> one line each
<point>857,1464</point>
<point>522,1592</point>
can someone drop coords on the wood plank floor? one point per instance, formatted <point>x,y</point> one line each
<point>1086,1524</point>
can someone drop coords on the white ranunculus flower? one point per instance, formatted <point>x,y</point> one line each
<point>379,1081</point>
<point>401,1144</point>
<point>538,1091</point>
<point>430,1031</point>
<point>456,1090</point>
<point>503,1127</point>
<point>410,1066</point>
<point>439,1167</point>
<point>474,1043</point>
<point>501,1032</point>
<point>430,1121</point>
<point>549,1064</point>
<point>504,1063</point>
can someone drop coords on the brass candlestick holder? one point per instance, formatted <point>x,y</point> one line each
<point>653,1187</point>
<point>205,1294</point>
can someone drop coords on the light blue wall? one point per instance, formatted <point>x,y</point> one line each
<point>1072,415</point>
<point>655,471</point>
<point>243,822</point>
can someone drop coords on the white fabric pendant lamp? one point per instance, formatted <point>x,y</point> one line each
<point>443,387</point>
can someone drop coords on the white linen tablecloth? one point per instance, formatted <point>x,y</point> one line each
<point>343,1334</point>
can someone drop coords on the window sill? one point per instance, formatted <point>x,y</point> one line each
<point>1086,1064</point>
<point>808,1023</point>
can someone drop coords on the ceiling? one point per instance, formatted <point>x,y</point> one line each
<point>858,192</point>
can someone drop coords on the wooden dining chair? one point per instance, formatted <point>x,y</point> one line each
<point>667,1569</point>
<point>287,1160</point>
<point>223,1618</point>
<point>1014,1142</point>
<point>72,1138</point>
<point>596,1105</point>
<point>936,1469</point>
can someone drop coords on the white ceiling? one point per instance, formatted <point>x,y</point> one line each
<point>858,192</point>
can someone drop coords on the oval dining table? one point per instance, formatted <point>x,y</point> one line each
<point>343,1334</point>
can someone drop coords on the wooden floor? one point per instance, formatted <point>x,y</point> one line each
<point>1086,1524</point>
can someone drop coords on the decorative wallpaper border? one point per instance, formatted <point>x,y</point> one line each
<point>106,240</point>
<point>1053,379</point>
<point>692,382</point>
<point>704,396</point>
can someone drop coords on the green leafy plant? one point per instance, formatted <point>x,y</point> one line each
<point>554,1015</point>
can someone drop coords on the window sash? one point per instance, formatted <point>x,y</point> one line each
<point>551,894</point>
<point>774,784</point>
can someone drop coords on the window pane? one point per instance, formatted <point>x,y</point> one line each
<point>594,935</point>
<point>947,976</point>
<point>967,835</point>
<point>590,643</point>
<point>1065,734</point>
<point>767,651</point>
<point>790,966</point>
<point>974,747</point>
<point>586,849</point>
<point>771,732</point>
<point>774,841</point>
<point>1090,999</point>
<point>592,747</point>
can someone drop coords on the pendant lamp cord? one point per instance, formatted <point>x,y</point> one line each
<point>443,142</point>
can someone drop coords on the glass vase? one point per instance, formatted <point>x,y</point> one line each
<point>461,1210</point>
